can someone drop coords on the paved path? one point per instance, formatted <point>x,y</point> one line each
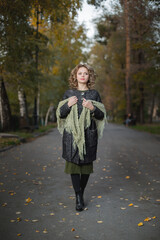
<point>35,171</point>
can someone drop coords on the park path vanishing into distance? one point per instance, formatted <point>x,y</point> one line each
<point>38,202</point>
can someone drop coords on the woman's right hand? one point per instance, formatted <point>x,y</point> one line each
<point>72,100</point>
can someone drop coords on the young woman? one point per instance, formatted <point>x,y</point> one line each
<point>81,118</point>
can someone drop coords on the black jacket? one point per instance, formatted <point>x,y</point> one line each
<point>91,138</point>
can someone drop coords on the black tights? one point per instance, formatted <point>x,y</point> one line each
<point>79,181</point>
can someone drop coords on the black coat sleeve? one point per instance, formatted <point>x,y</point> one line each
<point>97,113</point>
<point>65,109</point>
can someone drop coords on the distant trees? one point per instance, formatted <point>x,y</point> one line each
<point>129,42</point>
<point>39,42</point>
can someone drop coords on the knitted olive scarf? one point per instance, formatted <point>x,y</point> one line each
<point>77,126</point>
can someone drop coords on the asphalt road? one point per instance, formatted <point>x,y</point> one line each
<point>122,192</point>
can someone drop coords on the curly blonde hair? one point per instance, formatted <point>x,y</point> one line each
<point>73,83</point>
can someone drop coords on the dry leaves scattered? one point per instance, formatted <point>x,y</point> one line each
<point>146,220</point>
<point>28,200</point>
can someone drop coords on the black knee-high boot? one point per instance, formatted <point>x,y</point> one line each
<point>84,180</point>
<point>76,181</point>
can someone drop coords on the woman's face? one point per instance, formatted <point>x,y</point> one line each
<point>82,75</point>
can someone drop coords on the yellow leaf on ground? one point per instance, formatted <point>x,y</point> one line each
<point>35,220</point>
<point>28,200</point>
<point>18,213</point>
<point>37,231</point>
<point>60,203</point>
<point>131,204</point>
<point>19,219</point>
<point>12,220</point>
<point>73,229</point>
<point>45,231</point>
<point>77,214</point>
<point>99,221</point>
<point>99,197</point>
<point>52,214</point>
<point>4,204</point>
<point>147,219</point>
<point>127,177</point>
<point>19,234</point>
<point>154,217</point>
<point>12,193</point>
<point>140,224</point>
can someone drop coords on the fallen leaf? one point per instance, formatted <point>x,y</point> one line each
<point>19,234</point>
<point>154,217</point>
<point>60,203</point>
<point>123,208</point>
<point>18,213</point>
<point>52,214</point>
<point>28,200</point>
<point>4,204</point>
<point>77,214</point>
<point>35,220</point>
<point>19,219</point>
<point>147,219</point>
<point>37,231</point>
<point>73,229</point>
<point>99,197</point>
<point>26,220</point>
<point>98,205</point>
<point>131,204</point>
<point>12,193</point>
<point>127,177</point>
<point>99,221</point>
<point>45,231</point>
<point>12,220</point>
<point>140,224</point>
<point>77,236</point>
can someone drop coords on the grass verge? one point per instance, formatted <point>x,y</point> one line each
<point>23,134</point>
<point>151,128</point>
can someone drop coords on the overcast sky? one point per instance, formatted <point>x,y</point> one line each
<point>88,13</point>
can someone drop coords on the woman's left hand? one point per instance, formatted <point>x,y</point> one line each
<point>88,104</point>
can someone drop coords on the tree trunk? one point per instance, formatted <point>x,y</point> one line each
<point>47,115</point>
<point>142,103</point>
<point>152,107</point>
<point>24,122</point>
<point>5,112</point>
<point>38,104</point>
<point>128,57</point>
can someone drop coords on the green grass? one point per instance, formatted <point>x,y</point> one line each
<point>151,128</point>
<point>4,142</point>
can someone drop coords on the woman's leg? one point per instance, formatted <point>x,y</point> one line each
<point>84,180</point>
<point>76,182</point>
